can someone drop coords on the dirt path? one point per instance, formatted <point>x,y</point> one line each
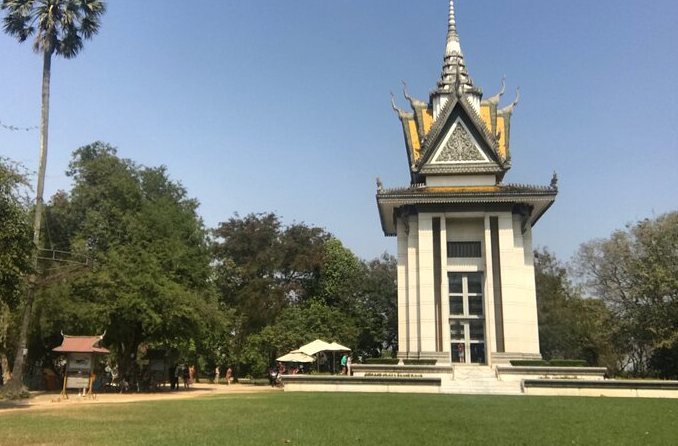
<point>52,400</point>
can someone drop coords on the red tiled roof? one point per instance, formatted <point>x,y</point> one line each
<point>81,344</point>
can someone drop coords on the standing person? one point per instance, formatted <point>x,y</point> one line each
<point>344,360</point>
<point>185,375</point>
<point>177,375</point>
<point>229,373</point>
<point>216,375</point>
<point>191,374</point>
<point>462,353</point>
<point>349,361</point>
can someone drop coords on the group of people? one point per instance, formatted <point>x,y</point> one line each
<point>228,376</point>
<point>181,372</point>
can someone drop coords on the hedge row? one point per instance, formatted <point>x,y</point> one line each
<point>394,361</point>
<point>551,363</point>
<point>382,361</point>
<point>419,361</point>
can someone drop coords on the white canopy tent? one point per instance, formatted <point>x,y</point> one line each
<point>317,346</point>
<point>296,357</point>
<point>339,348</point>
<point>314,347</point>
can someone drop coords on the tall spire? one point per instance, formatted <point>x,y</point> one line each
<point>452,35</point>
<point>454,65</point>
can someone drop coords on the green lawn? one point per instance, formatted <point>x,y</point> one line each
<point>319,419</point>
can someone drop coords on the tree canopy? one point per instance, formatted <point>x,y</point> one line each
<point>635,272</point>
<point>150,283</point>
<point>15,252</point>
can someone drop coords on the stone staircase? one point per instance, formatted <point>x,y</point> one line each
<point>478,380</point>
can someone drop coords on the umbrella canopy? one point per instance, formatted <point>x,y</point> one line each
<point>335,347</point>
<point>314,347</point>
<point>295,357</point>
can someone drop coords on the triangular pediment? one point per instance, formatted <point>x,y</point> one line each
<point>459,143</point>
<point>459,147</point>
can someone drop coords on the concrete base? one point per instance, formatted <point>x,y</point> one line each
<point>474,379</point>
<point>608,388</point>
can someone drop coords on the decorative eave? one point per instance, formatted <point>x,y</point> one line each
<point>532,201</point>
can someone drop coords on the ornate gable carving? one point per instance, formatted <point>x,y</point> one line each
<point>460,147</point>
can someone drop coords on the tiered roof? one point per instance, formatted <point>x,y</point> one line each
<point>454,139</point>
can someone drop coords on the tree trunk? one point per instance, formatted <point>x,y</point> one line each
<point>15,384</point>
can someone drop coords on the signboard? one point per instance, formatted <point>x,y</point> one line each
<point>156,365</point>
<point>77,381</point>
<point>79,362</point>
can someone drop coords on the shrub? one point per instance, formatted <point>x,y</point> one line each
<point>420,361</point>
<point>551,363</point>
<point>568,363</point>
<point>382,361</point>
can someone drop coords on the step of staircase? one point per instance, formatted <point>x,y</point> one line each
<point>479,380</point>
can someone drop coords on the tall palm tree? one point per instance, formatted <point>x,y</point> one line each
<point>59,27</point>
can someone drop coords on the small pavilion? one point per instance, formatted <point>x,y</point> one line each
<point>80,352</point>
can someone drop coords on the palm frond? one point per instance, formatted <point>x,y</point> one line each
<point>58,25</point>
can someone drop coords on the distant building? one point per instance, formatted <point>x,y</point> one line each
<point>466,290</point>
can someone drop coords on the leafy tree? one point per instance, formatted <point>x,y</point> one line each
<point>297,326</point>
<point>262,268</point>
<point>340,277</point>
<point>570,326</point>
<point>59,27</point>
<point>15,250</point>
<point>379,292</point>
<point>635,272</point>
<point>151,284</point>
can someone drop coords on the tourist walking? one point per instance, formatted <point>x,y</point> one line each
<point>344,360</point>
<point>229,373</point>
<point>216,375</point>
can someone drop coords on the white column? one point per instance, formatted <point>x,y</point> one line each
<point>403,305</point>
<point>521,333</point>
<point>413,287</point>
<point>445,288</point>
<point>426,284</point>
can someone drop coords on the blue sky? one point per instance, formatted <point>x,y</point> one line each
<point>284,106</point>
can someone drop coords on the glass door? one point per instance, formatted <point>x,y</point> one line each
<point>467,318</point>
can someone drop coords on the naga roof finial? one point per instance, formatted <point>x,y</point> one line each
<point>554,181</point>
<point>407,96</point>
<point>393,104</point>
<point>508,110</point>
<point>496,98</point>
<point>401,113</point>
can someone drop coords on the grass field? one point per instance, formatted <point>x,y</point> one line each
<point>341,419</point>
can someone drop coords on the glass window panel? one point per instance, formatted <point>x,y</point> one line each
<point>475,305</point>
<point>456,305</point>
<point>477,330</point>
<point>475,283</point>
<point>456,330</point>
<point>478,353</point>
<point>455,282</point>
